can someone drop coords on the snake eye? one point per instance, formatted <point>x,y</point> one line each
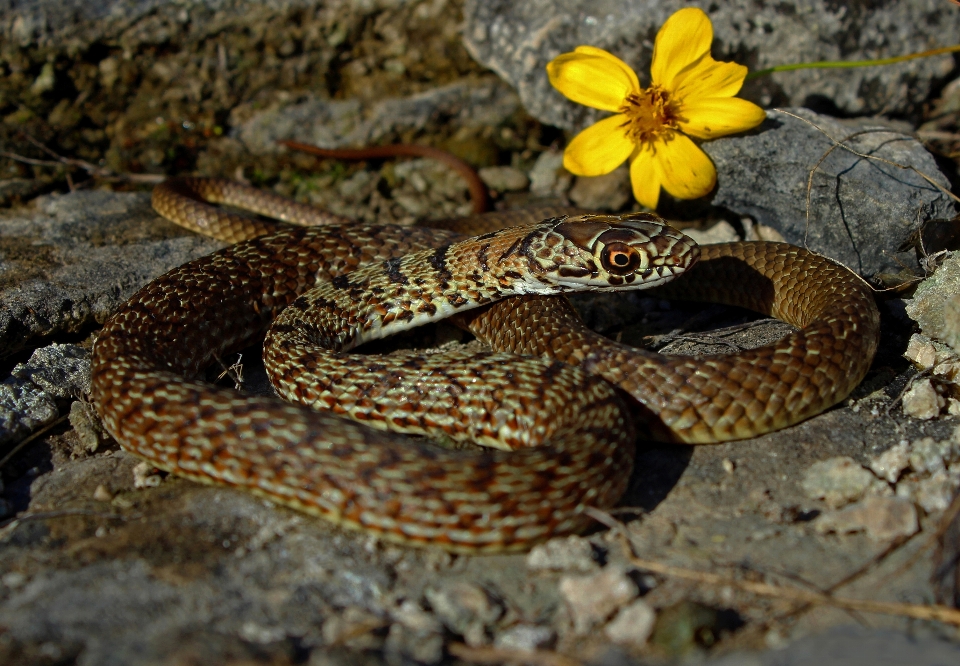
<point>620,258</point>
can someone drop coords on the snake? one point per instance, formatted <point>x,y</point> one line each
<point>561,402</point>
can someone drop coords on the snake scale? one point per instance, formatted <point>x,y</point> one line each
<point>555,405</point>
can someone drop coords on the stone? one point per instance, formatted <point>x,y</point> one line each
<point>921,352</point>
<point>836,481</point>
<point>933,306</point>
<point>633,624</point>
<point>890,464</point>
<point>526,637</point>
<point>592,599</point>
<point>609,192</point>
<point>921,400</point>
<point>349,123</point>
<point>466,609</point>
<point>928,456</point>
<point>83,254</point>
<point>881,518</point>
<point>517,40</point>
<point>935,493</point>
<point>504,178</point>
<point>572,553</point>
<point>23,408</point>
<point>721,232</point>
<point>860,211</point>
<point>62,371</point>
<point>548,177</point>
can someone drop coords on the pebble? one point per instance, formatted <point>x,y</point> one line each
<point>592,599</point>
<point>465,609</point>
<point>921,401</point>
<point>528,637</point>
<point>921,352</point>
<point>548,177</point>
<point>881,518</point>
<point>504,178</point>
<point>837,481</point>
<point>608,192</point>
<point>721,232</point>
<point>633,624</point>
<point>934,494</point>
<point>930,456</point>
<point>890,464</point>
<point>572,553</point>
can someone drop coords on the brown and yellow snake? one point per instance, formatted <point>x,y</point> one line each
<point>573,437</point>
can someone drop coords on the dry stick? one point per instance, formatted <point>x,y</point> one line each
<point>840,144</point>
<point>916,611</point>
<point>494,655</point>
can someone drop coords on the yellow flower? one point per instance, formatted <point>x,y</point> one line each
<point>690,94</point>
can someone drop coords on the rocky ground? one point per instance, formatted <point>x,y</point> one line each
<point>715,551</point>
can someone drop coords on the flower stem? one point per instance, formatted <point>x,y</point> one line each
<point>836,64</point>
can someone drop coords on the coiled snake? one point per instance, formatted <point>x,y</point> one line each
<point>573,434</point>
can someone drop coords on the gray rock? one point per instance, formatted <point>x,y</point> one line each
<point>526,637</point>
<point>70,260</point>
<point>346,123</point>
<point>63,371</point>
<point>23,408</point>
<point>518,39</point>
<point>861,210</point>
<point>932,303</point>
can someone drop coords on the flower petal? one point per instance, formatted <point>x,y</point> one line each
<point>685,171</point>
<point>645,178</point>
<point>599,149</point>
<point>710,78</point>
<point>718,116</point>
<point>682,40</point>
<point>593,77</point>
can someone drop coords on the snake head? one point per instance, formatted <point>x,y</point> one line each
<point>612,252</point>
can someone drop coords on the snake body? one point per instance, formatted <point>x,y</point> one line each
<point>148,353</point>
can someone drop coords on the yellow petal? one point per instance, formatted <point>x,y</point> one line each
<point>685,171</point>
<point>682,40</point>
<point>593,77</point>
<point>645,178</point>
<point>709,78</point>
<point>718,116</point>
<point>599,149</point>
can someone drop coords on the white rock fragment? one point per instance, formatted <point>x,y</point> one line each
<point>921,352</point>
<point>837,481</point>
<point>935,493</point>
<point>633,624</point>
<point>504,178</point>
<point>721,232</point>
<point>548,175</point>
<point>466,609</point>
<point>607,192</point>
<point>921,401</point>
<point>528,637</point>
<point>882,518</point>
<point>572,553</point>
<point>592,599</point>
<point>890,464</point>
<point>929,456</point>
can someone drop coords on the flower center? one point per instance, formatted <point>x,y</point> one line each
<point>649,113</point>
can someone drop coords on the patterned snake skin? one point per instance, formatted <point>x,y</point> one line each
<point>574,439</point>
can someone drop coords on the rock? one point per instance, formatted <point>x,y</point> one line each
<point>921,400</point>
<point>348,123</point>
<point>882,518</point>
<point>610,192</point>
<point>932,305</point>
<point>592,599</point>
<point>465,609</point>
<point>935,493</point>
<point>861,210</point>
<point>78,256</point>
<point>526,637</point>
<point>721,232</point>
<point>23,408</point>
<point>548,177</point>
<point>518,39</point>
<point>836,481</point>
<point>921,352</point>
<point>504,178</point>
<point>62,371</point>
<point>633,624</point>
<point>572,553</point>
<point>929,456</point>
<point>890,464</point>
